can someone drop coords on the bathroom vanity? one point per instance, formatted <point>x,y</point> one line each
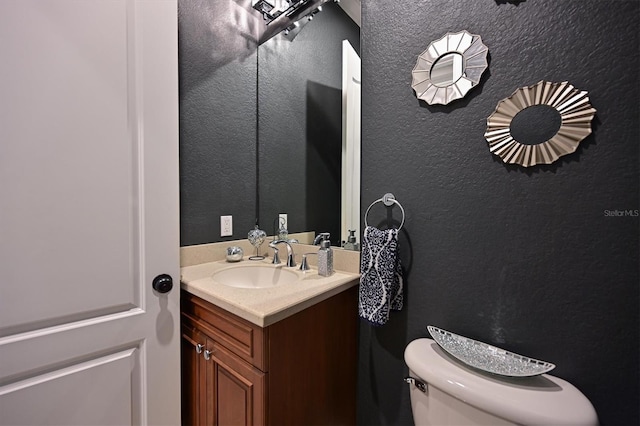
<point>268,356</point>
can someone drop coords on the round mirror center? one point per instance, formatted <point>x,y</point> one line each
<point>535,124</point>
<point>447,69</point>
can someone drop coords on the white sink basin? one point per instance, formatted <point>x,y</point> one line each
<point>255,276</point>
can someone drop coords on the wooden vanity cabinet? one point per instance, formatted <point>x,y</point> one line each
<point>218,386</point>
<point>299,371</point>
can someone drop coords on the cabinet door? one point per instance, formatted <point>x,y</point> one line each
<point>194,377</point>
<point>238,389</point>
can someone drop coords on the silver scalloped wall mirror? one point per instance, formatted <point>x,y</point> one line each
<point>573,114</point>
<point>449,68</point>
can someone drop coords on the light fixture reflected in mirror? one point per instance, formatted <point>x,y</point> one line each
<point>286,16</point>
<point>575,113</point>
<point>449,68</point>
<point>271,9</point>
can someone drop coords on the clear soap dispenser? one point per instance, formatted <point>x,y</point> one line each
<point>325,255</point>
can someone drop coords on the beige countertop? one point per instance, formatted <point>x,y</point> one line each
<point>264,306</point>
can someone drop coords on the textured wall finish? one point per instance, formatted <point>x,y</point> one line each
<point>525,259</point>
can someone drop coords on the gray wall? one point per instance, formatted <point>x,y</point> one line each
<point>523,259</point>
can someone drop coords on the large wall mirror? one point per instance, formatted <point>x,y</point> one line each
<point>304,166</point>
<point>289,159</point>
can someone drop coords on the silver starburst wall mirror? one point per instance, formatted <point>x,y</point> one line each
<point>449,68</point>
<point>569,107</point>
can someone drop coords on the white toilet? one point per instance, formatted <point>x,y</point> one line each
<point>446,392</point>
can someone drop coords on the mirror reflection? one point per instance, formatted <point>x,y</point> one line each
<point>302,127</point>
<point>447,70</point>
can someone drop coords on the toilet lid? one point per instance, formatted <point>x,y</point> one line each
<point>543,400</point>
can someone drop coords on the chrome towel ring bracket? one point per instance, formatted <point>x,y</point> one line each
<point>388,200</point>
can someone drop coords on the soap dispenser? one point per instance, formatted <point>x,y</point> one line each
<point>351,241</point>
<point>325,255</point>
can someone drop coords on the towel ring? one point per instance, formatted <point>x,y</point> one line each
<point>388,200</point>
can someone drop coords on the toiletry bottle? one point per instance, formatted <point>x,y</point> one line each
<point>325,256</point>
<point>351,241</point>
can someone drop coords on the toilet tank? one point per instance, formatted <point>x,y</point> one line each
<point>456,394</point>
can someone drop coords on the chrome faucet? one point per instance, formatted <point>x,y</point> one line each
<point>290,256</point>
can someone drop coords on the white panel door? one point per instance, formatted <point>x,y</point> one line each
<point>88,212</point>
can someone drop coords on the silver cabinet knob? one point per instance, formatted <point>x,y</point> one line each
<point>207,354</point>
<point>199,348</point>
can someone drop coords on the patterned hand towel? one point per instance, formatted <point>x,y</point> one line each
<point>380,275</point>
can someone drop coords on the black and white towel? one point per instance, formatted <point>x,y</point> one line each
<point>380,275</point>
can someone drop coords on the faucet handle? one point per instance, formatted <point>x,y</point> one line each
<point>304,265</point>
<point>276,258</point>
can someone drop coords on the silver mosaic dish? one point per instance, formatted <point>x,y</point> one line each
<point>488,358</point>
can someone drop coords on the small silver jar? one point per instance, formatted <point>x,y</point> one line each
<point>234,254</point>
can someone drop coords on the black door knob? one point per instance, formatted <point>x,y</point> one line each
<point>163,283</point>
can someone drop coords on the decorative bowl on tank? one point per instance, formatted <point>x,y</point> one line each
<point>486,357</point>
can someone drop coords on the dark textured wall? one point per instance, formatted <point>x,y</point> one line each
<point>527,260</point>
<point>217,69</point>
<point>300,127</point>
